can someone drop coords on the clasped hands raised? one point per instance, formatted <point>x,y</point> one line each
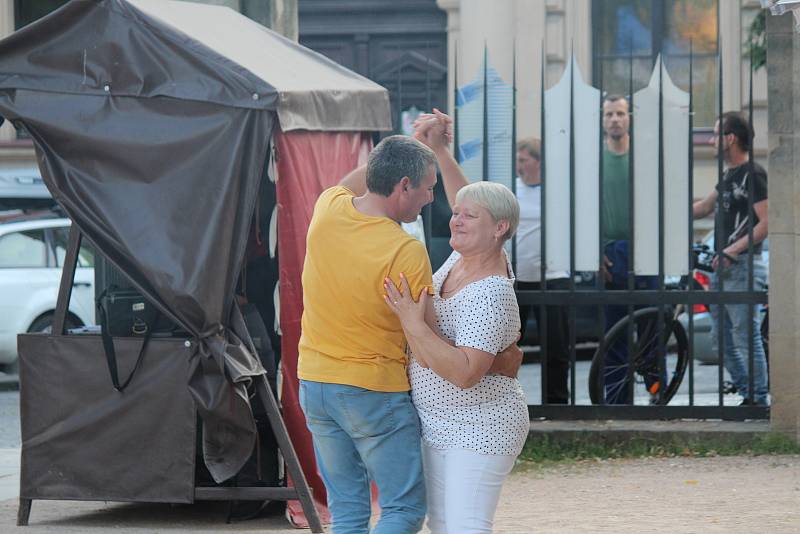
<point>434,129</point>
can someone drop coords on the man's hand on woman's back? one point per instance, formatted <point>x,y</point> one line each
<point>507,362</point>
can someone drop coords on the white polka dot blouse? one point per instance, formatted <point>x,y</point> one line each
<point>492,416</point>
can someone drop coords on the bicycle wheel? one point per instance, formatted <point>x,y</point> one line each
<point>609,382</point>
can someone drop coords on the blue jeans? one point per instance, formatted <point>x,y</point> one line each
<point>361,435</point>
<point>617,361</point>
<point>734,330</point>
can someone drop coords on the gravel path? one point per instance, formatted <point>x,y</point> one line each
<point>675,495</point>
<point>698,495</point>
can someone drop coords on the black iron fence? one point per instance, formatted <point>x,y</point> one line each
<point>659,375</point>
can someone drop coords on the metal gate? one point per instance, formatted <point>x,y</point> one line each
<point>700,392</point>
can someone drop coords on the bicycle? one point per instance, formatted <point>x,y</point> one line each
<point>655,366</point>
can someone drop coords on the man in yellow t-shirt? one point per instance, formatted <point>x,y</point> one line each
<point>352,363</point>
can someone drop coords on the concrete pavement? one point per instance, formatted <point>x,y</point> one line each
<point>9,473</point>
<point>9,437</point>
<point>134,518</point>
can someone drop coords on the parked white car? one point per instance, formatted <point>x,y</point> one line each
<point>32,252</point>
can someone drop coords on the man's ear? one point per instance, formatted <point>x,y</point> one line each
<point>401,186</point>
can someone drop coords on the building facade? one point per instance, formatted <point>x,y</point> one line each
<point>605,35</point>
<point>411,48</point>
<point>400,45</point>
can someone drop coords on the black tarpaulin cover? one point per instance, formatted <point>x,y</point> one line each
<point>183,50</point>
<point>153,143</point>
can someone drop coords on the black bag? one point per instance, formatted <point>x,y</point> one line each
<point>126,313</point>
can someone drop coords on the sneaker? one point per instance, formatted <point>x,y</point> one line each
<point>748,402</point>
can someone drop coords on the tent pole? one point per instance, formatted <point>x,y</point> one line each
<point>24,512</point>
<point>289,454</point>
<point>67,279</point>
<point>301,491</point>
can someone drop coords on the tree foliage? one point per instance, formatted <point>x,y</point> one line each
<point>756,45</point>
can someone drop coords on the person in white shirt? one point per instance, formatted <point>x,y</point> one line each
<point>474,423</point>
<point>528,266</point>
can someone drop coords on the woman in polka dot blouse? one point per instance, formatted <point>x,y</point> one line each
<point>474,424</point>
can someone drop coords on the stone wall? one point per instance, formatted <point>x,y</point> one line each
<point>783,74</point>
<point>7,132</point>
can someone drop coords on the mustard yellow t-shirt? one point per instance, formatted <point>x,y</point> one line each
<point>349,335</point>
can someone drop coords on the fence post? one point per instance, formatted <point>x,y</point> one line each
<point>783,62</point>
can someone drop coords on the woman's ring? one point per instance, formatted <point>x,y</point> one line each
<point>395,302</point>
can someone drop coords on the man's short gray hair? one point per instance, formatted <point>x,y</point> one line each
<point>497,199</point>
<point>394,157</point>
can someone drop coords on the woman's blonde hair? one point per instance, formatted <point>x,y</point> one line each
<point>497,199</point>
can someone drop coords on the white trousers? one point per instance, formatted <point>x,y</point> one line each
<point>463,489</point>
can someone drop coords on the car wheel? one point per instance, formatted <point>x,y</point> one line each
<point>44,324</point>
<point>12,368</point>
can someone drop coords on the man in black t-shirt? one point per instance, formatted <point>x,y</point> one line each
<point>741,197</point>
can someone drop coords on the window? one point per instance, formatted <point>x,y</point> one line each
<point>23,249</point>
<point>60,238</point>
<point>636,31</point>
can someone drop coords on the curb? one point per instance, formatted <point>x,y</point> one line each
<point>620,432</point>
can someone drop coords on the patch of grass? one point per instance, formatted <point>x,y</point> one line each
<point>545,450</point>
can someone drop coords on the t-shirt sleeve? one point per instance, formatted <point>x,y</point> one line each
<point>329,204</point>
<point>329,195</point>
<point>483,322</point>
<point>412,261</point>
<point>759,185</point>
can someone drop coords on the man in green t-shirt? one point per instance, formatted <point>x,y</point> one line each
<point>617,233</point>
<point>616,179</point>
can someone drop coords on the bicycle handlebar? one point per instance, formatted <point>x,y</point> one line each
<point>706,252</point>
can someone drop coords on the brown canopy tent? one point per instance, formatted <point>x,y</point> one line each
<point>152,122</point>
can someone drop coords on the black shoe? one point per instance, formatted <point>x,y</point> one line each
<point>244,510</point>
<point>748,402</point>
